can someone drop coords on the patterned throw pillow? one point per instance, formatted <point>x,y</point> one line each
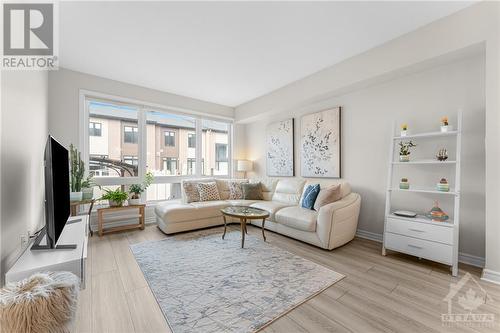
<point>208,191</point>
<point>327,195</point>
<point>252,191</point>
<point>310,195</point>
<point>235,190</point>
<point>191,190</point>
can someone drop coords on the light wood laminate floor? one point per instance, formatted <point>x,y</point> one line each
<point>396,293</point>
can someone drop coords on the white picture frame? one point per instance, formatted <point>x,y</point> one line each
<point>280,147</point>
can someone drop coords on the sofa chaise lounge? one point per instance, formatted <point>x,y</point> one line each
<point>333,225</point>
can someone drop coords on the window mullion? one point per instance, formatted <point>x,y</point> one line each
<point>142,144</point>
<point>199,150</point>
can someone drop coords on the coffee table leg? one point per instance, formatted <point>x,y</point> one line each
<point>243,227</point>
<point>263,236</point>
<point>224,234</point>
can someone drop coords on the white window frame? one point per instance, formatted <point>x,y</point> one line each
<point>86,96</point>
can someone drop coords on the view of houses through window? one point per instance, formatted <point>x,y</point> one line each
<point>171,145</point>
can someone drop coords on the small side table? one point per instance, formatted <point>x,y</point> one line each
<point>74,204</point>
<point>140,216</point>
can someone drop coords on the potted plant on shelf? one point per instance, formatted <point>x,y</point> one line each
<point>115,198</point>
<point>404,184</point>
<point>77,172</point>
<point>136,189</point>
<point>88,188</point>
<point>404,129</point>
<point>404,150</point>
<point>445,126</point>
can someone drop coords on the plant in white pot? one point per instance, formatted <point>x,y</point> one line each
<point>136,189</point>
<point>88,188</point>
<point>115,198</point>
<point>404,150</point>
<point>77,172</point>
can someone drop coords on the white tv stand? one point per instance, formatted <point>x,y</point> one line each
<point>71,260</point>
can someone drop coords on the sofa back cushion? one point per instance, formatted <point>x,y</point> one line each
<point>289,191</point>
<point>268,185</point>
<point>224,186</point>
<point>189,189</point>
<point>252,191</point>
<point>326,196</point>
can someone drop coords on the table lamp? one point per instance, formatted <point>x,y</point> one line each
<point>244,166</point>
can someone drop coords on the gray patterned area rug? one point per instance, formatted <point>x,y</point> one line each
<point>206,284</point>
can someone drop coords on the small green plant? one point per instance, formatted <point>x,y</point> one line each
<point>404,148</point>
<point>77,169</point>
<point>137,189</point>
<point>88,182</point>
<point>118,196</point>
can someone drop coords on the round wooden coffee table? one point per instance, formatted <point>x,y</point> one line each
<point>244,213</point>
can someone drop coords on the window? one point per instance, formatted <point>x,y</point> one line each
<point>132,160</point>
<point>215,141</point>
<point>94,129</point>
<point>174,130</point>
<point>191,140</point>
<point>170,165</point>
<point>107,151</point>
<point>191,166</point>
<point>169,139</point>
<point>130,134</point>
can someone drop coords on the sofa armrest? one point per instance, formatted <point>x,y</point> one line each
<point>337,221</point>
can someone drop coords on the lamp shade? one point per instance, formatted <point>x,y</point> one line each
<point>244,165</point>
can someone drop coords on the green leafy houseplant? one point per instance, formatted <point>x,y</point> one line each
<point>137,189</point>
<point>116,198</point>
<point>77,169</point>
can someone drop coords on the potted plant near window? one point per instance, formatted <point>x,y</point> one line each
<point>136,189</point>
<point>115,198</point>
<point>88,188</point>
<point>77,172</point>
<point>404,150</point>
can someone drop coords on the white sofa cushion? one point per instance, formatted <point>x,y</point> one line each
<point>241,202</point>
<point>271,206</point>
<point>298,218</point>
<point>288,191</point>
<point>175,211</point>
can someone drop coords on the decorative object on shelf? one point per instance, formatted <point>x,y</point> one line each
<point>280,148</point>
<point>445,126</point>
<point>442,154</point>
<point>404,150</point>
<point>88,188</point>
<point>436,214</point>
<point>404,184</point>
<point>404,129</point>
<point>77,172</point>
<point>320,144</point>
<point>443,185</point>
<point>244,166</point>
<point>137,189</point>
<point>115,198</point>
<point>405,213</point>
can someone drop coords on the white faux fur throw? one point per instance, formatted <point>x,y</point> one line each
<point>44,302</point>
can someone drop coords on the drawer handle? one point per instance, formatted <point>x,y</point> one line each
<point>416,230</point>
<point>415,246</point>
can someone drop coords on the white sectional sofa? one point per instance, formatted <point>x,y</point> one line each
<point>332,226</point>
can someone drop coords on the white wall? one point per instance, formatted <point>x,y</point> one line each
<point>419,99</point>
<point>24,116</point>
<point>477,24</point>
<point>64,87</point>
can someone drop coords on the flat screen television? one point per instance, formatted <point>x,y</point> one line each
<point>57,205</point>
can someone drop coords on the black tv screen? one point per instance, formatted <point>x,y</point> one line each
<point>57,206</point>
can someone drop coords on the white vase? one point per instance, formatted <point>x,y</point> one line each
<point>113,203</point>
<point>446,128</point>
<point>404,133</point>
<point>133,202</point>
<point>88,193</point>
<point>75,196</point>
<point>404,158</point>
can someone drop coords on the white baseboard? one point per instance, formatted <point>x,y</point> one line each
<point>491,276</point>
<point>464,258</point>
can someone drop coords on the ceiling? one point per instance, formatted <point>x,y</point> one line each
<point>228,52</point>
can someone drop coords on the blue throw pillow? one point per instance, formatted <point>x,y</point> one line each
<point>310,195</point>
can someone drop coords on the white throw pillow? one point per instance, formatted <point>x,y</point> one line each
<point>208,191</point>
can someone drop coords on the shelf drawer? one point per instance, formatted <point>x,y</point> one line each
<point>431,232</point>
<point>418,247</point>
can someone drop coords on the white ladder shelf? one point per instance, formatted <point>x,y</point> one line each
<point>420,236</point>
